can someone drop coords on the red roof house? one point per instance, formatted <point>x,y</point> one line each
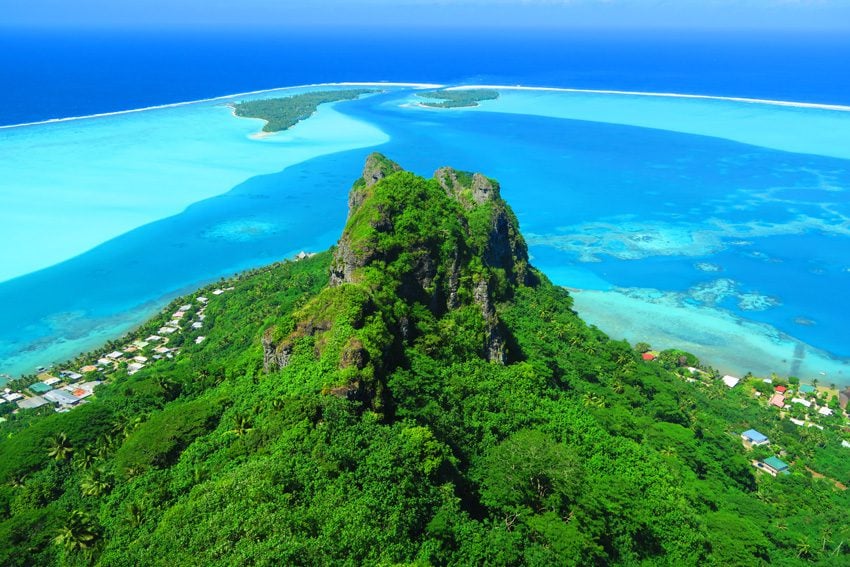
<point>778,400</point>
<point>648,356</point>
<point>780,389</point>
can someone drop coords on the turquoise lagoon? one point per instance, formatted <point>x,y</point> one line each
<point>715,225</point>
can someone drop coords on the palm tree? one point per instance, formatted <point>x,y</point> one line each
<point>60,448</point>
<point>95,483</point>
<point>593,400</point>
<point>77,533</point>
<point>804,549</point>
<point>84,459</point>
<point>243,426</point>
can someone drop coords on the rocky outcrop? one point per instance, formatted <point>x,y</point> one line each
<point>376,168</point>
<point>345,261</point>
<point>471,241</point>
<point>494,349</point>
<point>275,354</point>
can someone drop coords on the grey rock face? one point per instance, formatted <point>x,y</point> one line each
<point>275,356</point>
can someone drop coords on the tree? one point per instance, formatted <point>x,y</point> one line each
<point>60,448</point>
<point>529,471</point>
<point>78,533</point>
<point>96,483</point>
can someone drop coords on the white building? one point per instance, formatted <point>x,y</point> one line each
<point>730,381</point>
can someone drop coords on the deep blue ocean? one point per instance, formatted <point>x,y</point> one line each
<point>560,175</point>
<point>59,74</point>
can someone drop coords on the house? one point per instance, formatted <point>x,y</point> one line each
<point>753,438</point>
<point>825,411</point>
<point>86,389</point>
<point>730,381</point>
<point>778,400</point>
<point>134,367</point>
<point>69,375</point>
<point>648,356</point>
<point>115,355</point>
<point>806,403</point>
<point>780,389</point>
<point>167,330</point>
<point>140,344</point>
<point>807,389</point>
<point>199,340</point>
<point>40,388</point>
<point>197,325</point>
<point>185,307</point>
<point>89,368</point>
<point>178,315</point>
<point>12,396</point>
<point>772,466</point>
<point>795,421</point>
<point>218,292</point>
<point>202,299</point>
<point>61,397</point>
<point>153,338</point>
<point>32,403</point>
<point>844,443</point>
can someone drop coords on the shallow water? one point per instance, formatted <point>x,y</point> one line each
<point>692,236</point>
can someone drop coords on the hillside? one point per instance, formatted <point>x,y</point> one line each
<point>420,394</point>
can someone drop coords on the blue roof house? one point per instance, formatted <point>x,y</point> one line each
<point>753,438</point>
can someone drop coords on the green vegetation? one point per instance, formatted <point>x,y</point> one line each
<point>418,395</point>
<point>283,113</point>
<point>458,98</point>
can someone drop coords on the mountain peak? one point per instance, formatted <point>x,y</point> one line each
<point>413,252</point>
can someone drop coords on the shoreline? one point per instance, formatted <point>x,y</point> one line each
<point>783,103</point>
<point>715,335</point>
<point>213,99</point>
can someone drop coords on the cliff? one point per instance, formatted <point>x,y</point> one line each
<point>412,249</point>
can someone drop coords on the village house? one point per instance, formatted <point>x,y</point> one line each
<point>39,388</point>
<point>61,397</point>
<point>777,400</point>
<point>32,403</point>
<point>772,466</point>
<point>730,381</point>
<point>753,438</point>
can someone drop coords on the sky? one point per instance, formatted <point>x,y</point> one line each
<point>615,14</point>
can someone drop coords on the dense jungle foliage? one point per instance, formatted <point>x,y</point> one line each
<point>285,112</point>
<point>418,395</point>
